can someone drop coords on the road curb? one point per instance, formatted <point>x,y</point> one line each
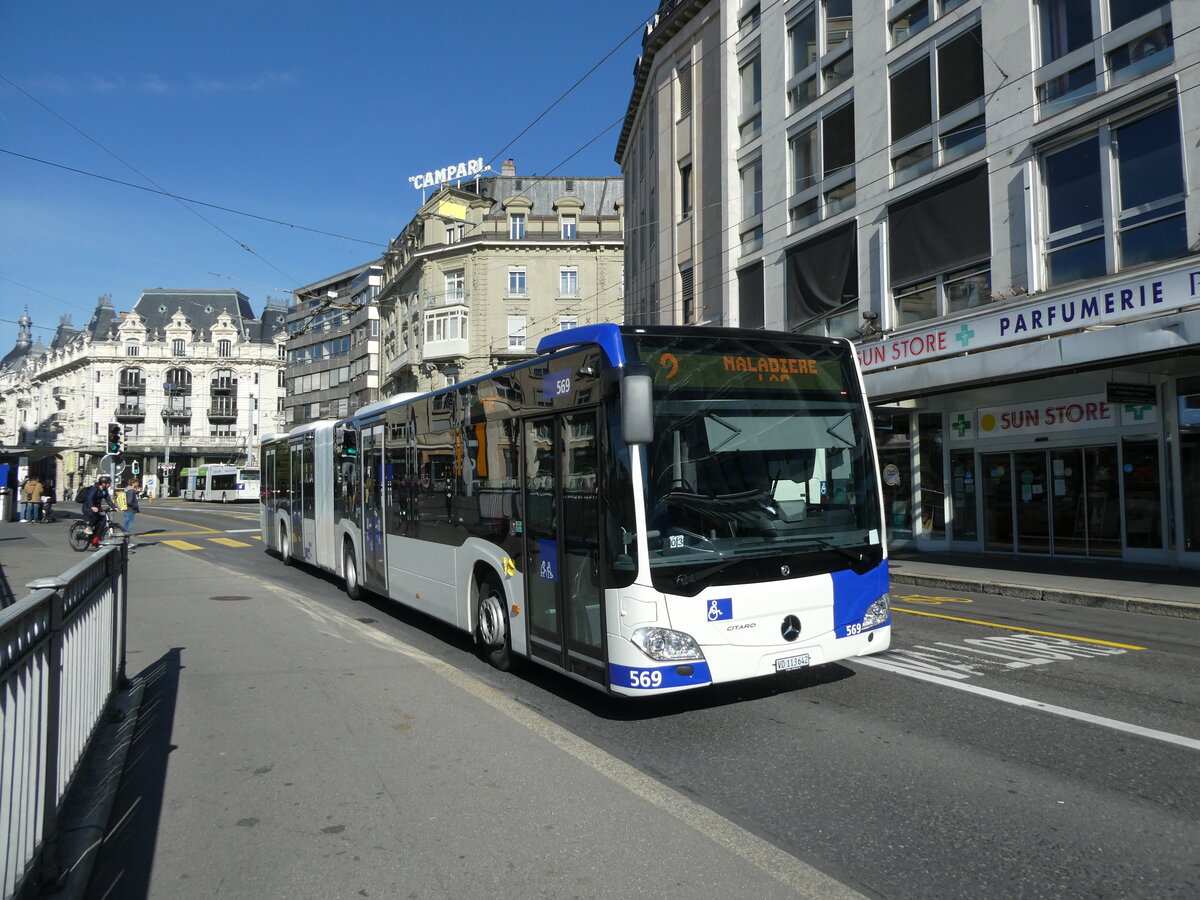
<point>86,817</point>
<point>1147,605</point>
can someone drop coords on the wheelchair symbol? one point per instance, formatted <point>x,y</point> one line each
<point>714,611</point>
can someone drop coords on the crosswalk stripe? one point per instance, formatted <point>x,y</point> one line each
<point>229,542</point>
<point>183,545</point>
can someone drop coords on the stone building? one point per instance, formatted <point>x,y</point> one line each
<point>192,377</point>
<point>488,266</point>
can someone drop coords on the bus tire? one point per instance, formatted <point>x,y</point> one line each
<point>285,549</point>
<point>491,624</point>
<point>350,571</point>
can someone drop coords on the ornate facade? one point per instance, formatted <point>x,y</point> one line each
<point>192,377</point>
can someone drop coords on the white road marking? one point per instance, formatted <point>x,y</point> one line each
<point>242,530</point>
<point>1104,721</point>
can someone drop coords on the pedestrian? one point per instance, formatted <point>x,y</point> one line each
<point>132,491</point>
<point>97,501</point>
<point>31,496</point>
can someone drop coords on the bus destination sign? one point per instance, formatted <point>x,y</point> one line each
<point>751,371</point>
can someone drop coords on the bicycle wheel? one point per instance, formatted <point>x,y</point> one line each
<point>79,537</point>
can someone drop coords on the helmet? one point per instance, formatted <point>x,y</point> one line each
<point>104,479</point>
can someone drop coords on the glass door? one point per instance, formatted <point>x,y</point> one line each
<point>374,558</point>
<point>563,591</point>
<point>1103,501</point>
<point>1068,503</point>
<point>1033,502</point>
<point>997,501</point>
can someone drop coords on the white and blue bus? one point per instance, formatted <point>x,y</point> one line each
<point>224,484</point>
<point>644,509</point>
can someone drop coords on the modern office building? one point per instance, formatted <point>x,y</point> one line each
<point>995,199</point>
<point>489,265</point>
<point>333,346</point>
<point>192,377</point>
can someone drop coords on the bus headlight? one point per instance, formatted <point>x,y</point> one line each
<point>665,644</point>
<point>878,612</point>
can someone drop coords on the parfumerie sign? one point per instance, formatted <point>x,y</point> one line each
<point>452,172</point>
<point>1121,302</point>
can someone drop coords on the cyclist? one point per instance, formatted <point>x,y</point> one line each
<point>96,502</point>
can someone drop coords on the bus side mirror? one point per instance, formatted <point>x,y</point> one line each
<point>637,404</point>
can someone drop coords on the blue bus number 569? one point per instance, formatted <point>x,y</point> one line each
<point>645,678</point>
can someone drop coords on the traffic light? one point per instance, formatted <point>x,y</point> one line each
<point>349,440</point>
<point>116,435</point>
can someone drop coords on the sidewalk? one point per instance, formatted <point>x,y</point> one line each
<point>1111,584</point>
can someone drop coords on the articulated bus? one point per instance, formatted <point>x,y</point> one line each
<point>223,484</point>
<point>644,509</point>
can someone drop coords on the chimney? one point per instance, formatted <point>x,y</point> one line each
<point>509,168</point>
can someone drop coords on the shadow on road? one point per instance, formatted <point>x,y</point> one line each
<point>126,856</point>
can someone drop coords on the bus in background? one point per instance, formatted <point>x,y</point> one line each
<point>226,484</point>
<point>643,509</point>
<point>187,483</point>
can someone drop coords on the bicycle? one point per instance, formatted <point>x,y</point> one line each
<point>81,536</point>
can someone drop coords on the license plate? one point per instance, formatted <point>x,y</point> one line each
<point>791,662</point>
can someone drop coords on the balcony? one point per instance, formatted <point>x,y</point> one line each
<point>178,412</point>
<point>130,411</point>
<point>222,414</point>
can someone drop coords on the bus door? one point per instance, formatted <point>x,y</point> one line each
<point>374,561</point>
<point>302,524</point>
<point>562,543</point>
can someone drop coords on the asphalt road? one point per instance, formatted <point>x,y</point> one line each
<point>1002,748</point>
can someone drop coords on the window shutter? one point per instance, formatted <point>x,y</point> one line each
<point>960,71</point>
<point>912,108</point>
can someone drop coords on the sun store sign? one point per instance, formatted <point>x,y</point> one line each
<point>452,172</point>
<point>1044,417</point>
<point>1119,302</point>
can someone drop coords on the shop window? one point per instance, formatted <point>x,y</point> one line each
<point>932,472</point>
<point>1093,229</point>
<point>820,45</point>
<point>1141,487</point>
<point>940,249</point>
<point>963,523</point>
<point>895,466</point>
<point>1189,458</point>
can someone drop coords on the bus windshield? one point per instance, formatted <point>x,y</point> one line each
<point>762,453</point>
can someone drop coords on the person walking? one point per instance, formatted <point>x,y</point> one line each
<point>96,501</point>
<point>132,491</point>
<point>31,496</point>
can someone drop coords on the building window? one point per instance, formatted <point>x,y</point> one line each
<point>1080,58</point>
<point>132,349</point>
<point>821,282</point>
<point>940,249</point>
<point>949,79</point>
<point>683,82</point>
<point>456,286</point>
<point>687,295</point>
<point>516,332</point>
<point>569,228</point>
<point>749,20</point>
<point>455,232</point>
<point>568,282</point>
<point>751,177</point>
<point>282,351</point>
<point>822,160</point>
<point>685,189</point>
<point>178,347</point>
<point>820,44</point>
<point>517,286</point>
<point>750,119</point>
<point>446,326</point>
<point>565,323</point>
<point>1115,199</point>
<point>224,348</point>
<point>516,226</point>
<point>282,380</point>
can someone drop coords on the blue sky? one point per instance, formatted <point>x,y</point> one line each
<point>310,113</point>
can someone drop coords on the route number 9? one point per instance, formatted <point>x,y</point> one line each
<point>645,678</point>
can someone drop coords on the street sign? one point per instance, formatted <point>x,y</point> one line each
<point>111,465</point>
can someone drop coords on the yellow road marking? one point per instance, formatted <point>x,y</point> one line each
<point>229,542</point>
<point>182,545</point>
<point>1073,637</point>
<point>257,537</point>
<point>196,529</point>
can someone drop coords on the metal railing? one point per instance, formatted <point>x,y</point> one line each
<point>62,659</point>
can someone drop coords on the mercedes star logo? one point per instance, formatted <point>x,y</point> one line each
<point>790,629</point>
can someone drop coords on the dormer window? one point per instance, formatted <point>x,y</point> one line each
<point>225,347</point>
<point>179,347</point>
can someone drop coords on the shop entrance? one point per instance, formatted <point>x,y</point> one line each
<point>1062,502</point>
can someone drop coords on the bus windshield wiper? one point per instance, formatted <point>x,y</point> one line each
<point>686,578</point>
<point>855,557</point>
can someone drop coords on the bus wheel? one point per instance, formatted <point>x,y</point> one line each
<point>350,572</point>
<point>491,630</point>
<point>284,549</point>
